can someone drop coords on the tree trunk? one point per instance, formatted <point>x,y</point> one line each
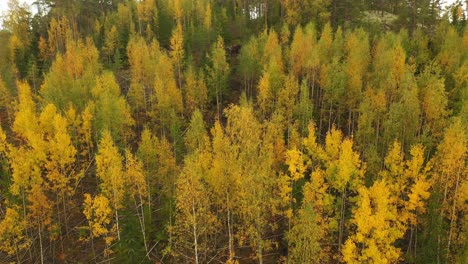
<point>260,253</point>
<point>194,228</point>
<point>342,212</point>
<point>64,202</point>
<point>40,244</point>
<point>408,250</point>
<point>24,215</point>
<point>452,215</point>
<point>231,252</point>
<point>217,103</point>
<point>349,122</point>
<point>141,219</point>
<point>116,217</point>
<point>17,253</point>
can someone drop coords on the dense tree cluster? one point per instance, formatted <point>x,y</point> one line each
<point>240,131</point>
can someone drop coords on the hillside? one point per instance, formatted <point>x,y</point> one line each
<point>236,131</point>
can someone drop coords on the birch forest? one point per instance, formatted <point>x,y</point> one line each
<point>234,131</point>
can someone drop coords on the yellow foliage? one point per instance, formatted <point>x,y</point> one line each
<point>297,11</point>
<point>62,154</point>
<point>167,93</point>
<point>111,109</point>
<point>317,193</point>
<point>394,163</point>
<point>13,232</point>
<point>72,75</point>
<point>298,52</point>
<point>310,142</point>
<point>58,33</point>
<point>147,10</point>
<point>195,91</point>
<point>264,97</point>
<point>398,69</point>
<point>85,130</point>
<point>272,53</point>
<point>356,47</point>
<point>177,46</point>
<point>349,165</point>
<point>304,238</point>
<point>419,191</point>
<point>296,164</point>
<point>377,228</point>
<point>286,98</point>
<point>408,182</point>
<point>3,142</point>
<point>25,118</point>
<point>39,208</point>
<point>332,144</point>
<point>135,176</point>
<point>25,170</point>
<point>109,171</point>
<point>451,177</point>
<point>177,9</point>
<point>195,222</point>
<point>350,252</point>
<point>220,146</point>
<point>452,151</point>
<point>98,212</point>
<point>207,17</point>
<point>111,41</point>
<point>285,189</point>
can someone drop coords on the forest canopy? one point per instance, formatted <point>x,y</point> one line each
<point>235,131</point>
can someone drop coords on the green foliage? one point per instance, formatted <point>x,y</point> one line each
<point>111,111</point>
<point>72,76</point>
<point>218,73</point>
